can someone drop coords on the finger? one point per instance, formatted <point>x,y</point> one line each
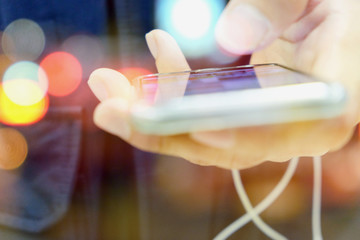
<point>107,83</point>
<point>169,58</point>
<point>166,52</point>
<point>112,114</point>
<point>248,25</point>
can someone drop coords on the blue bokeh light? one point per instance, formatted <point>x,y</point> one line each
<point>191,23</point>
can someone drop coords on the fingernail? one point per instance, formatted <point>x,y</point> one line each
<point>111,120</point>
<point>218,139</point>
<point>241,29</point>
<point>152,44</point>
<point>98,89</point>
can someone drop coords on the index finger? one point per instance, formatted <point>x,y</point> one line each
<point>168,58</point>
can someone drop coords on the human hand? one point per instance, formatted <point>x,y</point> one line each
<point>288,44</point>
<point>318,37</point>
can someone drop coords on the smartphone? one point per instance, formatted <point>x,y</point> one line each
<point>234,97</point>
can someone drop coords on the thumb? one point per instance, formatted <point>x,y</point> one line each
<point>248,25</point>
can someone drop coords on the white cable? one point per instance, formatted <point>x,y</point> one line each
<point>279,188</point>
<point>266,229</point>
<point>316,208</point>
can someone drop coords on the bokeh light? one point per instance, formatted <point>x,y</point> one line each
<point>25,83</point>
<point>186,25</point>
<point>23,91</point>
<point>190,22</point>
<point>15,114</point>
<point>13,148</point>
<point>87,49</point>
<point>23,39</point>
<point>64,73</point>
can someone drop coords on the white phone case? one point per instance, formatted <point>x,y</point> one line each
<point>284,95</point>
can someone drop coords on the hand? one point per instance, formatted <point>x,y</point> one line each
<point>318,37</point>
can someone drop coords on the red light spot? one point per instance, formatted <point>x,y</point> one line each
<point>15,114</point>
<point>64,73</point>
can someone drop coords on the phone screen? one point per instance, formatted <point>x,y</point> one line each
<point>208,81</point>
<point>241,96</point>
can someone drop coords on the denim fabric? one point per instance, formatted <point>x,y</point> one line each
<point>40,190</point>
<point>59,18</point>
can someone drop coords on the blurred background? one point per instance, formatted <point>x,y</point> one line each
<point>63,178</point>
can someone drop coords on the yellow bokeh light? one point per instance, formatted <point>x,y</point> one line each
<point>13,148</point>
<point>15,114</point>
<point>24,92</point>
<point>25,83</point>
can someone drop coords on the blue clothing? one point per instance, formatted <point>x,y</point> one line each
<point>59,19</point>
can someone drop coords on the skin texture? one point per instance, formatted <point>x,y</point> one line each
<point>317,37</point>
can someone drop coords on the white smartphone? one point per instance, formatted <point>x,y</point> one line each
<point>221,98</point>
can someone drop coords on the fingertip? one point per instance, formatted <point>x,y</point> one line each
<point>108,83</point>
<point>166,52</point>
<point>96,85</point>
<point>103,74</point>
<point>153,42</point>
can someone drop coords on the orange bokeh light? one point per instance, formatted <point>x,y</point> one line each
<point>64,73</point>
<point>13,148</point>
<point>15,114</point>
